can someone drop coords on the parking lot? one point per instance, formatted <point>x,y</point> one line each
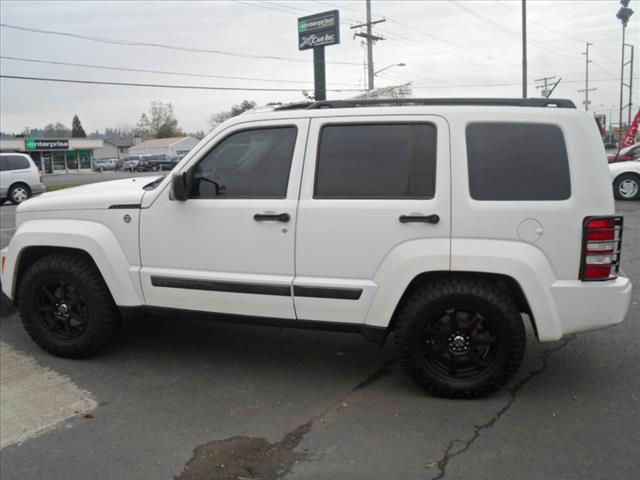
<point>181,398</point>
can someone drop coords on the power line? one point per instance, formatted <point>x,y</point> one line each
<point>428,35</point>
<point>490,85</point>
<point>510,32</point>
<point>114,41</point>
<point>603,69</point>
<point>542,25</point>
<point>156,85</point>
<point>163,72</point>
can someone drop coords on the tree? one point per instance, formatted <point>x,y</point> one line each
<point>56,130</point>
<point>76,128</point>
<point>159,123</point>
<point>217,118</point>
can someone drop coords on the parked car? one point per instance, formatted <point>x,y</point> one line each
<point>103,164</point>
<point>19,178</point>
<point>626,179</point>
<point>128,164</point>
<point>628,153</point>
<point>155,163</point>
<point>449,223</point>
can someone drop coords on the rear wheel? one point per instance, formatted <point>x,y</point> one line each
<point>627,187</point>
<point>18,193</point>
<point>66,307</point>
<point>460,338</point>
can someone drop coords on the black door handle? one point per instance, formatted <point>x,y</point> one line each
<point>433,219</point>
<point>273,217</point>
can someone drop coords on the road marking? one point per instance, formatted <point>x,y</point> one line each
<point>34,398</point>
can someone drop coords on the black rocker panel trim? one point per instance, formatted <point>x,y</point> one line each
<point>217,286</point>
<point>256,288</point>
<point>327,292</point>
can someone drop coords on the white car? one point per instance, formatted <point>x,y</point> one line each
<point>450,223</point>
<point>626,179</point>
<point>19,178</point>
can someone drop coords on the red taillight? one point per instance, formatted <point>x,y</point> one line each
<point>601,245</point>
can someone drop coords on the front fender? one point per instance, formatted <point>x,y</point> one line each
<point>93,238</point>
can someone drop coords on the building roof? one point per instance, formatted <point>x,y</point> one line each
<point>161,142</point>
<point>119,142</point>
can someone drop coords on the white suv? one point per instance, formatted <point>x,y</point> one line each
<point>19,178</point>
<point>450,223</point>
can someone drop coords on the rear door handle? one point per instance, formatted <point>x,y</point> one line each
<point>433,219</point>
<point>272,217</point>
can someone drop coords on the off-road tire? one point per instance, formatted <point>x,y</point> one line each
<point>426,303</point>
<point>103,318</point>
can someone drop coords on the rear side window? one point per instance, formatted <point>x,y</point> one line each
<point>396,160</point>
<point>517,162</point>
<point>16,162</point>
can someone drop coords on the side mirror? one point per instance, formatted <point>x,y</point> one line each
<point>180,186</point>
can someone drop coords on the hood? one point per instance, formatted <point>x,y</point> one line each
<point>94,196</point>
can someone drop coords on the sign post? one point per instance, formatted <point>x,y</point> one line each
<point>317,31</point>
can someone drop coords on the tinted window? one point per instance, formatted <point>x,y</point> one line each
<point>4,163</point>
<point>251,163</point>
<point>517,161</point>
<point>16,162</point>
<point>376,161</point>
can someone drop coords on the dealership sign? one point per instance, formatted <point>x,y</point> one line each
<point>319,30</point>
<point>34,144</point>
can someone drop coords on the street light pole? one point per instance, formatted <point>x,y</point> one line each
<point>388,67</point>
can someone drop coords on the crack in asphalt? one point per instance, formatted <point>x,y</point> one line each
<point>449,452</point>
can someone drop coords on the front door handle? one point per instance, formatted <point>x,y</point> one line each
<point>272,217</point>
<point>433,219</point>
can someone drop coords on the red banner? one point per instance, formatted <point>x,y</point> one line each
<point>630,137</point>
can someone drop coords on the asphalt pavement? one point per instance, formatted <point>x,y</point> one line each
<point>182,398</point>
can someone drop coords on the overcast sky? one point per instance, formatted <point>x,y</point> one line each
<point>450,48</point>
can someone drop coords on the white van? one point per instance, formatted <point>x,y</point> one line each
<point>19,178</point>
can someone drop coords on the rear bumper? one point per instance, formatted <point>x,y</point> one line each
<point>38,188</point>
<point>584,306</point>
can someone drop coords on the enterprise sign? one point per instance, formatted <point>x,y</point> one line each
<point>34,144</point>
<point>319,30</point>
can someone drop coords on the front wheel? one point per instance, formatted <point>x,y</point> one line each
<point>627,187</point>
<point>461,338</point>
<point>66,307</point>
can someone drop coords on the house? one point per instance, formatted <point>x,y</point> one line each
<point>176,147</point>
<point>113,148</point>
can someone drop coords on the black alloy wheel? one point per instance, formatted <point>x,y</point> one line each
<point>62,310</point>
<point>459,344</point>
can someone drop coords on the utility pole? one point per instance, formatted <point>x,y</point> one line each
<point>524,48</point>
<point>544,88</point>
<point>370,38</point>
<point>586,89</point>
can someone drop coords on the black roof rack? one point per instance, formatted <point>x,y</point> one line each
<point>294,106</point>
<point>497,102</point>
